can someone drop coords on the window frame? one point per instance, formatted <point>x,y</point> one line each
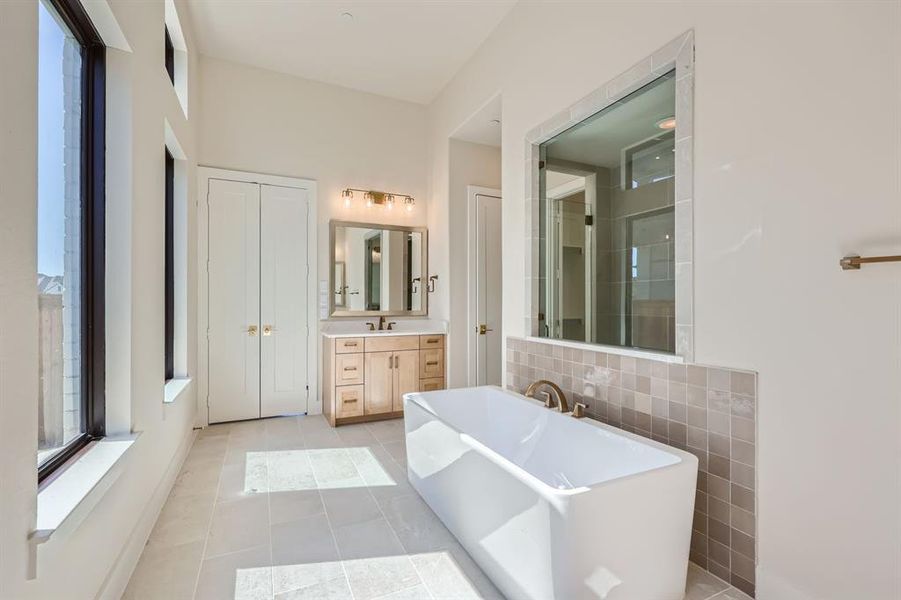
<point>169,327</point>
<point>170,56</point>
<point>93,243</point>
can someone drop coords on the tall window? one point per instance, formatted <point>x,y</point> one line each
<point>170,267</point>
<point>170,57</point>
<point>70,232</point>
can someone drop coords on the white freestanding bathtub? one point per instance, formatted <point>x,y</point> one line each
<point>552,507</point>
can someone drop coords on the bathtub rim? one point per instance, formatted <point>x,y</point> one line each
<point>684,458</point>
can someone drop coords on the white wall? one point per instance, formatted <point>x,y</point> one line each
<point>262,121</point>
<point>95,558</point>
<point>468,164</point>
<point>797,162</point>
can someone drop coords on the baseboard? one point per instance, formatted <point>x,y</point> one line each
<point>117,579</point>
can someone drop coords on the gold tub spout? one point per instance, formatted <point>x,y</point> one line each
<point>559,402</point>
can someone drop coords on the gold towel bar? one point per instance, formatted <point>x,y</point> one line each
<point>854,262</point>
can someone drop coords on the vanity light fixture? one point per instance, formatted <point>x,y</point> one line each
<point>376,198</point>
<point>667,124</point>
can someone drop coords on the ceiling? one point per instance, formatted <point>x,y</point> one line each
<point>405,49</point>
<point>600,139</point>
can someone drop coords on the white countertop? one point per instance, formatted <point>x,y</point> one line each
<point>355,328</point>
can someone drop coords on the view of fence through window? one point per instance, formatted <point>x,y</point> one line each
<point>59,255</point>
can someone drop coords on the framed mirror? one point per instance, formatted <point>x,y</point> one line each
<point>377,270</point>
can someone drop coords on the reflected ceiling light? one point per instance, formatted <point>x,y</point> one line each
<point>667,123</point>
<point>348,197</point>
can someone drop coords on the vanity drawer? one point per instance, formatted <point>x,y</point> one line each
<point>431,363</point>
<point>427,342</point>
<point>348,369</point>
<point>348,401</point>
<point>392,342</point>
<point>348,345</point>
<point>431,384</point>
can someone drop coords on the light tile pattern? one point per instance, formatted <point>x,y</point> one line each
<point>677,55</point>
<point>290,508</point>
<point>707,411</point>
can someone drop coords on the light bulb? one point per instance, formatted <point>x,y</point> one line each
<point>389,201</point>
<point>408,203</point>
<point>348,198</point>
<point>368,196</point>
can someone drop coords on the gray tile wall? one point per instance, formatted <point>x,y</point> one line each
<point>708,411</point>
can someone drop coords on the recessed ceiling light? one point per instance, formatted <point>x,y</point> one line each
<point>667,123</point>
<point>347,17</point>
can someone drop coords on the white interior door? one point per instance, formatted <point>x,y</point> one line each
<point>284,323</point>
<point>234,300</point>
<point>489,295</point>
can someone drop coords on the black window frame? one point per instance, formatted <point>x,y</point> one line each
<point>93,204</point>
<point>169,286</point>
<point>170,56</point>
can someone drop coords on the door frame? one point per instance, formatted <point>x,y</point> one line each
<point>472,307</point>
<point>204,175</point>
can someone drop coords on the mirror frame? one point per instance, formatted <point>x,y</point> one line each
<point>335,312</point>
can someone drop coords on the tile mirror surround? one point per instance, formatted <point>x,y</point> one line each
<point>708,411</point>
<point>677,55</point>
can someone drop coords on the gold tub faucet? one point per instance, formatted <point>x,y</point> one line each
<point>558,402</point>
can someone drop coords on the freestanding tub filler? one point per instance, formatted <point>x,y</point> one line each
<point>552,507</point>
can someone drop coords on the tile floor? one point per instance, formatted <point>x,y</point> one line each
<point>290,509</point>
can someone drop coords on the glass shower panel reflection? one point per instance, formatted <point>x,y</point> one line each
<point>606,238</point>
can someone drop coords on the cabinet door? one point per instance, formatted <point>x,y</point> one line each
<point>379,385</point>
<point>406,376</point>
<point>432,362</point>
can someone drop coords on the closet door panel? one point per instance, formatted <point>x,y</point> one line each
<point>234,304</point>
<point>283,296</point>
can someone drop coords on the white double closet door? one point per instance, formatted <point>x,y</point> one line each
<point>258,319</point>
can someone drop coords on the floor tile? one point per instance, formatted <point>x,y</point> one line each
<point>244,575</point>
<point>350,505</point>
<point>303,542</point>
<point>290,471</point>
<point>166,572</point>
<point>373,577</point>
<point>333,589</point>
<point>285,507</point>
<point>417,592</point>
<point>334,468</point>
<point>184,519</point>
<point>451,573</point>
<point>368,539</point>
<point>286,578</point>
<point>239,525</point>
<point>731,594</point>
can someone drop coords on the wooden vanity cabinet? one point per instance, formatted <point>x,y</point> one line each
<point>365,379</point>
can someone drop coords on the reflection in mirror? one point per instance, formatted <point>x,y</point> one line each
<point>377,269</point>
<point>607,268</point>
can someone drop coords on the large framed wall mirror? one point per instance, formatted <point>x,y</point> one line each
<point>607,224</point>
<point>377,270</point>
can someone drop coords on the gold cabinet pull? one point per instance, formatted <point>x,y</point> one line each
<point>350,368</point>
<point>432,341</point>
<point>251,330</point>
<point>350,344</point>
<point>349,400</point>
<point>431,363</point>
<point>268,329</point>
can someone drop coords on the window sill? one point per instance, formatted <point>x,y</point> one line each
<point>175,388</point>
<point>71,494</point>
<point>648,354</point>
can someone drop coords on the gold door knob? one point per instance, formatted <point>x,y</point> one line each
<point>268,329</point>
<point>251,330</point>
<point>483,329</point>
